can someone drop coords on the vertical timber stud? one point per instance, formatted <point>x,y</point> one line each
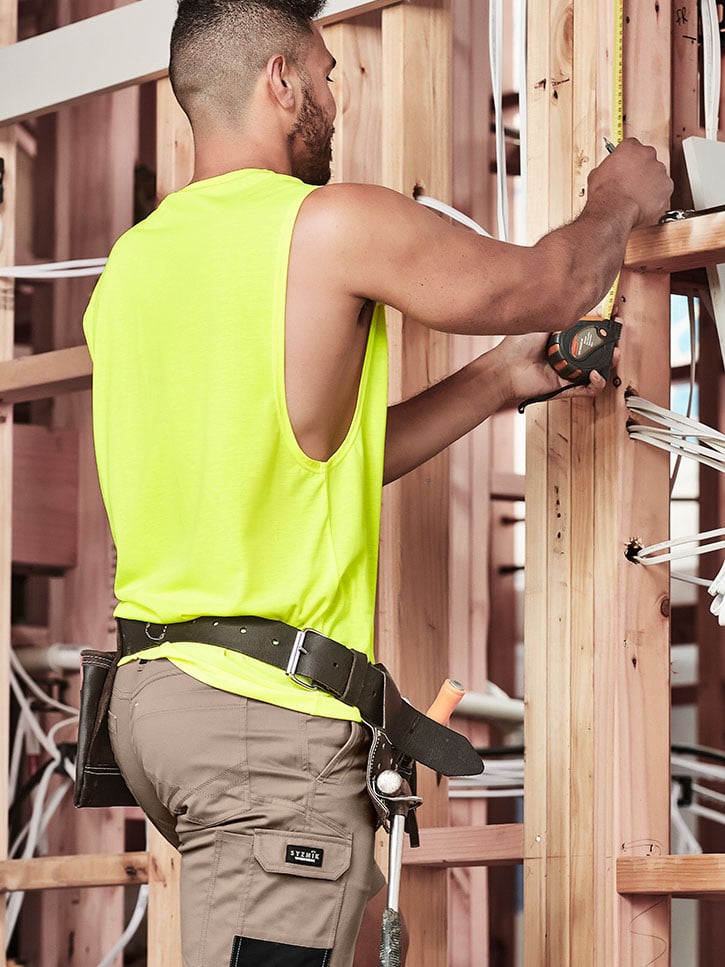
<point>413,610</point>
<point>8,31</point>
<point>357,149</point>
<point>597,636</point>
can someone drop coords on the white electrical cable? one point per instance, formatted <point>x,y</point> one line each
<point>47,271</point>
<point>706,793</point>
<point>495,48</point>
<point>70,767</point>
<point>31,720</point>
<point>711,66</point>
<point>680,764</point>
<point>717,590</point>
<point>16,758</point>
<point>40,817</point>
<point>451,212</point>
<point>133,924</point>
<point>677,433</point>
<point>35,689</point>
<point>693,374</point>
<point>690,579</point>
<point>676,422</point>
<point>648,555</point>
<point>683,839</point>
<point>706,813</point>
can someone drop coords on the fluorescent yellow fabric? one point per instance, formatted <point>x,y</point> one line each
<point>214,508</point>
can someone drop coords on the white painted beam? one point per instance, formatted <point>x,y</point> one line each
<point>125,46</point>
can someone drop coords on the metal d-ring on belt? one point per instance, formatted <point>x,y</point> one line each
<point>316,661</point>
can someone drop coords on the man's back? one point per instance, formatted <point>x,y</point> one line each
<point>214,507</point>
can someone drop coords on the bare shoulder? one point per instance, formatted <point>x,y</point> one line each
<point>353,207</point>
<point>370,238</point>
<point>366,242</point>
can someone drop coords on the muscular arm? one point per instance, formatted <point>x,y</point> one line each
<point>377,244</point>
<point>358,243</point>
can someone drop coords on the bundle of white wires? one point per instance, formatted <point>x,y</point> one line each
<point>47,271</point>
<point>29,734</point>
<point>688,438</point>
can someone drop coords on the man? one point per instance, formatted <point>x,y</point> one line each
<point>240,403</point>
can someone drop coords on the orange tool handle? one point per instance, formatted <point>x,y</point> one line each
<point>450,694</point>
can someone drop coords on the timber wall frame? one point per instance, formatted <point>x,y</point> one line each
<point>596,834</point>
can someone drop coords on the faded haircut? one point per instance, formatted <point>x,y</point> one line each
<point>219,48</point>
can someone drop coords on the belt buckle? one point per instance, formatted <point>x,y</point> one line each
<point>298,648</point>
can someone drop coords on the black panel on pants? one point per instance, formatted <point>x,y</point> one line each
<point>264,953</point>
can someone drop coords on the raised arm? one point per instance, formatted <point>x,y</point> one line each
<point>382,246</point>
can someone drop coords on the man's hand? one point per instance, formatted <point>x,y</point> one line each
<point>632,172</point>
<point>523,358</point>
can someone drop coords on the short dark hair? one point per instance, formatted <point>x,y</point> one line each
<point>218,47</point>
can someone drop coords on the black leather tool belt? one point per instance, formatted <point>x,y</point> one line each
<point>314,661</point>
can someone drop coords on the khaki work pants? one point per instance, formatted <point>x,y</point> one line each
<point>268,809</point>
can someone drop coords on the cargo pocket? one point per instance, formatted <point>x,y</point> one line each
<point>292,890</point>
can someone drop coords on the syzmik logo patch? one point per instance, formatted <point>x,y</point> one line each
<point>304,855</point>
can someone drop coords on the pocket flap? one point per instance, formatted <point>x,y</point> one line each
<point>320,856</point>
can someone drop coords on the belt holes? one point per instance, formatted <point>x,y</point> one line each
<point>216,624</point>
<point>275,641</point>
<point>242,631</point>
<point>335,664</point>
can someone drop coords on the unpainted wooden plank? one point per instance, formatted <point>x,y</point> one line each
<point>699,874</point>
<point>459,846</point>
<point>677,246</point>
<point>583,709</point>
<point>164,913</point>
<point>357,147</point>
<point>45,374</point>
<point>536,778</point>
<point>66,872</point>
<point>413,598</point>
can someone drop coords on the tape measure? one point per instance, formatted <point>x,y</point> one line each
<point>588,345</point>
<point>574,353</point>
<point>617,125</point>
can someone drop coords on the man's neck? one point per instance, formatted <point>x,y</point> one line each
<point>219,156</point>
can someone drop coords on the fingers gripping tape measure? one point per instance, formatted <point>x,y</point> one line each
<point>576,352</point>
<point>587,346</point>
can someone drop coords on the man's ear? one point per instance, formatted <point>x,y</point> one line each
<point>280,81</point>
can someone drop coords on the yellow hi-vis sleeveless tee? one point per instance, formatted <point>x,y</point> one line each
<point>213,506</point>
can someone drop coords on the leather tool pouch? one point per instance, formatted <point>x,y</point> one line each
<point>98,779</point>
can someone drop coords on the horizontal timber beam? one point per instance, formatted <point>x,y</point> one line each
<point>678,246</point>
<point>453,846</point>
<point>701,874</point>
<point>60,872</point>
<point>125,46</point>
<point>45,374</point>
